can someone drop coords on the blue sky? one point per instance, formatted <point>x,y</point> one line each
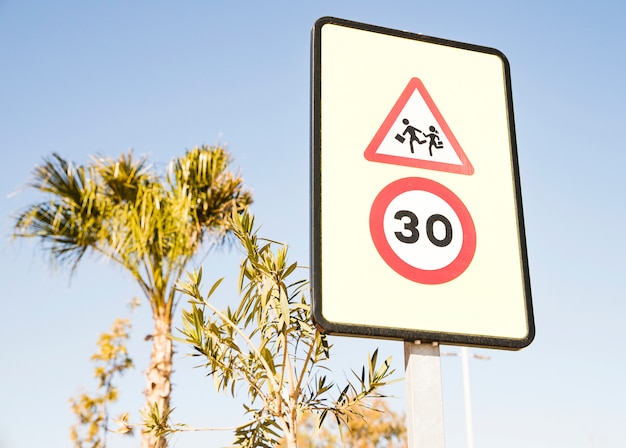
<point>84,78</point>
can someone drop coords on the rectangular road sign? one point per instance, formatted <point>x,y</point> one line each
<point>417,230</point>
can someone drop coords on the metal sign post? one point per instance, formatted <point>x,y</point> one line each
<point>423,395</point>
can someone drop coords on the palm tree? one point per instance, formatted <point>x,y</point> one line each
<point>150,224</point>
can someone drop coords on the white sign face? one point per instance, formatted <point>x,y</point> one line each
<point>417,229</point>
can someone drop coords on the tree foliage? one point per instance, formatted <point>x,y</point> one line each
<point>152,224</point>
<point>268,347</point>
<point>92,411</point>
<point>378,427</point>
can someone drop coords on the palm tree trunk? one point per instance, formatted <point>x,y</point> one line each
<point>291,440</point>
<point>158,377</point>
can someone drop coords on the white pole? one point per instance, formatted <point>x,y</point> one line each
<point>423,395</point>
<point>469,431</point>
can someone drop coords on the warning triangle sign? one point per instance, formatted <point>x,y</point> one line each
<point>415,134</point>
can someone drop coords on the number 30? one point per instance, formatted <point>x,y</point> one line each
<point>414,234</point>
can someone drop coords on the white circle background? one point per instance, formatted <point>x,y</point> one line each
<point>423,254</point>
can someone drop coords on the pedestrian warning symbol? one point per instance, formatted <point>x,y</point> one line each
<point>416,134</point>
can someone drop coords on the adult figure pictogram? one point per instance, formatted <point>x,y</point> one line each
<point>412,131</point>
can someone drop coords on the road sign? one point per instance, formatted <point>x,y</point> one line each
<point>399,142</point>
<point>422,230</point>
<point>417,229</point>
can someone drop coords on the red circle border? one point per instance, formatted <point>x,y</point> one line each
<point>424,276</point>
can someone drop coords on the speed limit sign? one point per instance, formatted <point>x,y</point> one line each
<point>417,226</point>
<point>422,230</point>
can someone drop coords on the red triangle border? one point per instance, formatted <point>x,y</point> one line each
<point>371,154</point>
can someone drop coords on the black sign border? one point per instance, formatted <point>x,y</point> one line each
<point>316,205</point>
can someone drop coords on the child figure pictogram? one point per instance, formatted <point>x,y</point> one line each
<point>435,140</point>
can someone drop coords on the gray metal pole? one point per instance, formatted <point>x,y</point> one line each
<point>423,395</point>
<point>469,427</point>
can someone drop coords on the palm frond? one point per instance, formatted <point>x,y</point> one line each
<point>201,181</point>
<point>121,208</point>
<point>123,177</point>
<point>60,178</point>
